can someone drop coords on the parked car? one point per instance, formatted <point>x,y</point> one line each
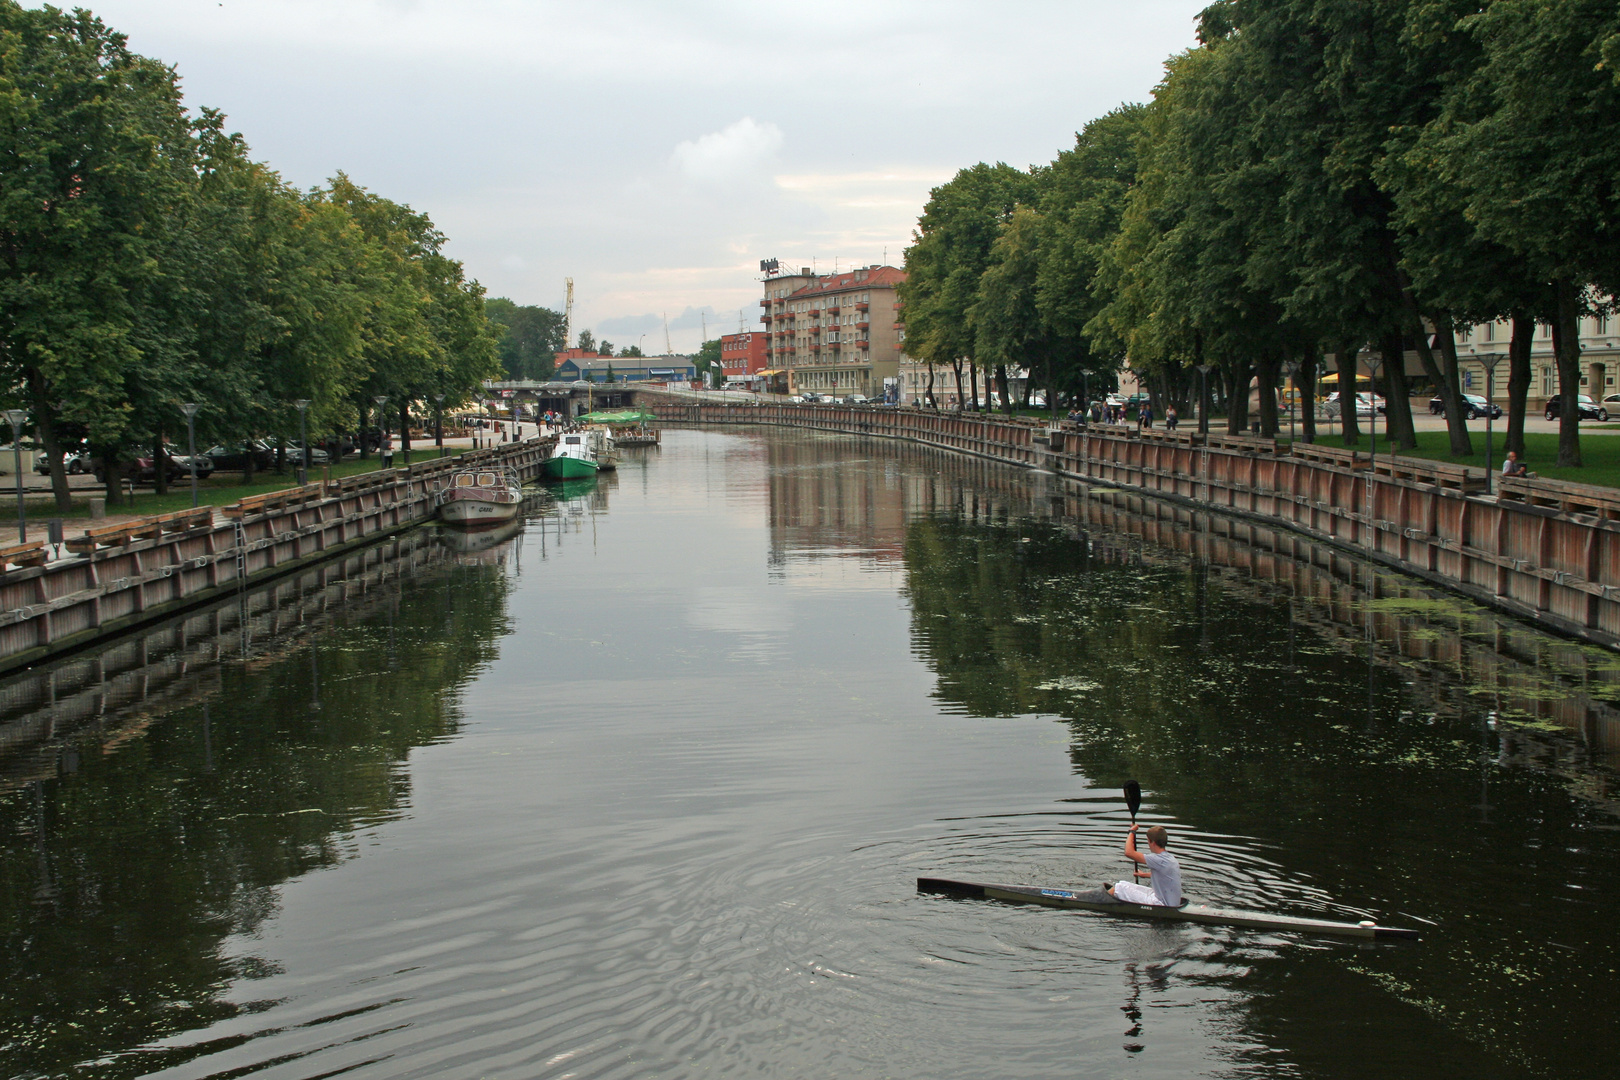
<point>1588,409</point>
<point>234,458</point>
<point>175,467</point>
<point>856,399</point>
<point>1365,403</point>
<point>317,456</point>
<point>1474,407</point>
<point>74,461</point>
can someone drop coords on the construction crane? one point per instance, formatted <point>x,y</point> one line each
<point>568,317</point>
<point>669,350</point>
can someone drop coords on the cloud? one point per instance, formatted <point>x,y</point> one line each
<point>735,151</point>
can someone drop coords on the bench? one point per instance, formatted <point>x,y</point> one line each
<point>1330,455</point>
<point>141,529</point>
<point>22,555</point>
<point>1440,474</point>
<point>1561,495</point>
<point>275,500</point>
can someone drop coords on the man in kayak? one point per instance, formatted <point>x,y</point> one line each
<point>1162,867</point>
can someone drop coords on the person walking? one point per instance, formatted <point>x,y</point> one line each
<point>1170,418</point>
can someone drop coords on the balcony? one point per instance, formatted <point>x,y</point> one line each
<point>764,303</point>
<point>862,325</point>
<point>832,309</point>
<point>862,306</point>
<point>898,305</point>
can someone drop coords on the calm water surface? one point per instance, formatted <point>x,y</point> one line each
<point>643,791</point>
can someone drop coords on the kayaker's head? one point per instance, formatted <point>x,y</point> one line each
<point>1158,838</point>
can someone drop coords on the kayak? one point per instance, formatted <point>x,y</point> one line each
<point>1099,901</point>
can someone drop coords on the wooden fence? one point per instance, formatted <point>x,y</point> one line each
<point>1541,549</point>
<point>124,575</point>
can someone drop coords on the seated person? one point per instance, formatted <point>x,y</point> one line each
<point>1512,466</point>
<point>1163,870</point>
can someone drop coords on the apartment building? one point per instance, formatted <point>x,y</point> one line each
<point>742,355</point>
<point>833,334</point>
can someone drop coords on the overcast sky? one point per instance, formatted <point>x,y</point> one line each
<point>655,152</point>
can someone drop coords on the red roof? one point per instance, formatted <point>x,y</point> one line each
<point>882,277</point>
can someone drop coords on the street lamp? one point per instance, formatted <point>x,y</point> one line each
<point>190,409</point>
<point>1374,362</point>
<point>17,417</point>
<point>1203,398</point>
<point>302,405</point>
<point>1489,360</point>
<point>438,422</point>
<point>384,459</point>
<point>1291,369</point>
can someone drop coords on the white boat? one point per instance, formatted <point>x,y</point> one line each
<point>481,497</point>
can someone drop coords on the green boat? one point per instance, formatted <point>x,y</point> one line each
<point>577,455</point>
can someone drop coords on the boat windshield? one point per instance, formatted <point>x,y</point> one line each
<point>486,479</point>
<point>571,440</point>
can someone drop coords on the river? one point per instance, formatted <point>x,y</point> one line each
<point>643,790</point>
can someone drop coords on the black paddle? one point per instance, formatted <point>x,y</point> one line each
<point>1133,802</point>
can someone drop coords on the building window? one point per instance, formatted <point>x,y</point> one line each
<point>1488,332</point>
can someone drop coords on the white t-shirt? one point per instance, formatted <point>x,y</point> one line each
<point>1166,878</point>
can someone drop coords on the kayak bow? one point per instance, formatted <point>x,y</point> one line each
<point>1099,901</point>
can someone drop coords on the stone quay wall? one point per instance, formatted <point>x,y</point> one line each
<point>1544,550</point>
<point>127,575</point>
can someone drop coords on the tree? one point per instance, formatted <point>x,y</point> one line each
<point>529,338</point>
<point>605,348</point>
<point>587,341</point>
<point>95,155</point>
<point>959,224</point>
<point>1535,146</point>
<point>707,361</point>
<point>630,350</point>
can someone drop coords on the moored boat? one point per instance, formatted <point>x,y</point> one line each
<point>481,497</point>
<point>579,454</point>
<point>1099,901</point>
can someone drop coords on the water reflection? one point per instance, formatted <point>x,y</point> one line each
<point>160,790</point>
<point>643,790</point>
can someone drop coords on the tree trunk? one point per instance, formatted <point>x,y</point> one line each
<point>1305,396</point>
<point>1237,403</point>
<point>1397,400</point>
<point>113,471</point>
<point>45,425</point>
<point>160,464</point>
<point>360,433</point>
<point>1567,348</point>
<point>973,383</point>
<point>961,394</point>
<point>928,394</point>
<point>1524,329</point>
<point>1462,444</point>
<point>405,429</point>
<point>1265,373</point>
<point>1345,362</point>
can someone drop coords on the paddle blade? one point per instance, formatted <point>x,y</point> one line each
<point>1133,797</point>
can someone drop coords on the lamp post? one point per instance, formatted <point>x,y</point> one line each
<point>17,417</point>
<point>1291,369</point>
<point>438,422</point>
<point>384,459</point>
<point>302,405</point>
<point>1203,398</point>
<point>190,409</point>
<point>1488,360</point>
<point>1374,362</point>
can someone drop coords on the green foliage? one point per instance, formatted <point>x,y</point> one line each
<point>146,260</point>
<point>707,361</point>
<point>587,341</point>
<point>1316,176</point>
<point>530,338</point>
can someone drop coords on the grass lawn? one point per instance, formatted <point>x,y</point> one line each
<point>221,489</point>
<point>1600,453</point>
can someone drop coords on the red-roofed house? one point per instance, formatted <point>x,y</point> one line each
<point>836,334</point>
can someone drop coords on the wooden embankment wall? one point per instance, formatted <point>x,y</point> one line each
<point>129,575</point>
<point>1541,549</point>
